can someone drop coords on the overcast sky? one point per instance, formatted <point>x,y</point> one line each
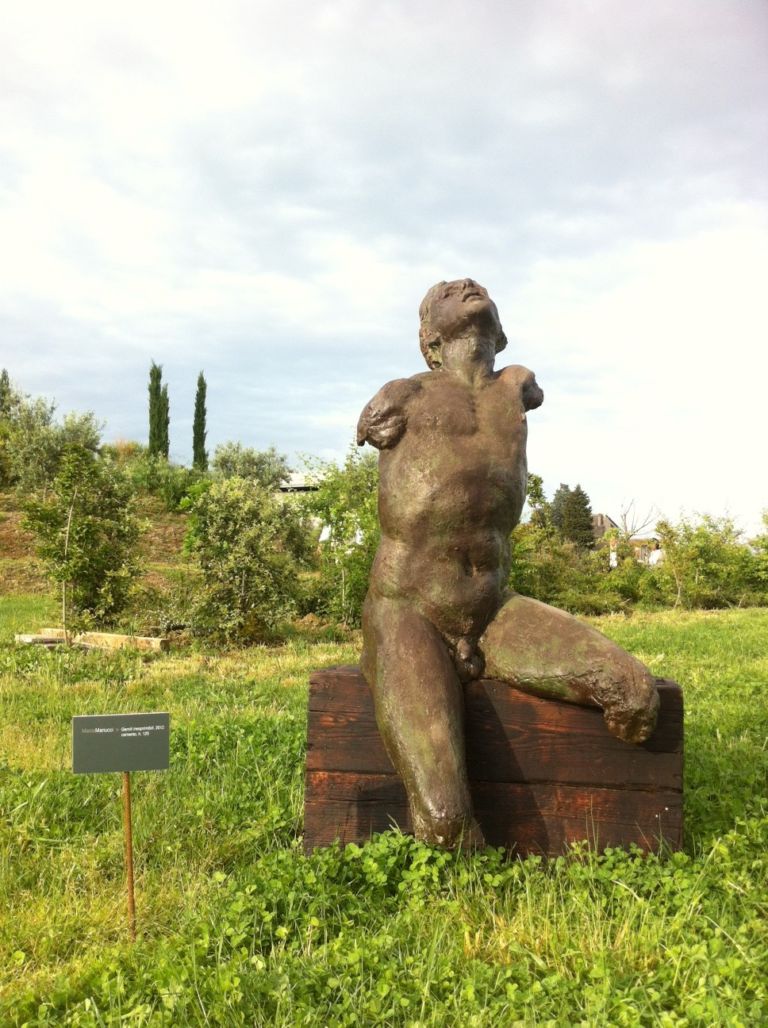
<point>266,191</point>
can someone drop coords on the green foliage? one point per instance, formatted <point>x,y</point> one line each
<point>32,442</point>
<point>703,563</point>
<point>759,546</point>
<point>154,389</point>
<point>557,571</point>
<point>164,418</point>
<point>159,413</point>
<point>86,532</point>
<point>6,393</point>
<point>557,507</point>
<point>171,483</point>
<point>199,453</point>
<point>250,544</point>
<point>267,467</point>
<point>570,514</point>
<point>9,400</point>
<point>237,926</point>
<point>706,565</point>
<point>577,519</point>
<point>540,510</point>
<point>345,506</point>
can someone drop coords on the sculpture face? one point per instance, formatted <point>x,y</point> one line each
<point>453,309</point>
<point>458,305</point>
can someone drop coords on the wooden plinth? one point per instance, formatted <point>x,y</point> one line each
<point>543,774</point>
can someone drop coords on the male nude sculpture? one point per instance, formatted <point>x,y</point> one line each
<point>438,613</point>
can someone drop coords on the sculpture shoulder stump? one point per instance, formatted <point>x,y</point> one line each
<point>542,774</point>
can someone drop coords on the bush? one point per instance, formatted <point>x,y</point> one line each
<point>161,609</point>
<point>250,544</point>
<point>345,509</point>
<point>87,530</point>
<point>171,483</point>
<point>706,565</point>
<point>34,444</point>
<point>559,572</point>
<point>268,467</point>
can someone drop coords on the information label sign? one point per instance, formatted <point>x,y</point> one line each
<point>120,742</point>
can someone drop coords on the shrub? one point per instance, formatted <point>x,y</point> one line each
<point>268,467</point>
<point>171,483</point>
<point>87,530</point>
<point>34,444</point>
<point>250,544</point>
<point>345,509</point>
<point>707,565</point>
<point>562,573</point>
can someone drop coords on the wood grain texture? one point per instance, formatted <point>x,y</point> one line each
<point>543,774</point>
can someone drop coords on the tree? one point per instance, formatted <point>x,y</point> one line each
<point>250,544</point>
<point>577,519</point>
<point>268,467</point>
<point>165,422</point>
<point>557,507</point>
<point>159,414</point>
<point>632,522</point>
<point>705,564</point>
<point>346,507</point>
<point>6,394</point>
<point>9,400</point>
<point>199,454</point>
<point>86,529</point>
<point>155,403</point>
<point>541,510</point>
<point>32,442</point>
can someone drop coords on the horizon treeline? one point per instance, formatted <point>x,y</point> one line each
<point>260,561</point>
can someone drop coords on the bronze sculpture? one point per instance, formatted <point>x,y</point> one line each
<point>453,475</point>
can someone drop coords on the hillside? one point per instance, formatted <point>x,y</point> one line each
<point>160,548</point>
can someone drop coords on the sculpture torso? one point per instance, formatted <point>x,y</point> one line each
<point>452,486</point>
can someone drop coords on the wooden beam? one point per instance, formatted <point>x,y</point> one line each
<point>542,773</point>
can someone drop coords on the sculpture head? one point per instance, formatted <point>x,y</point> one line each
<point>449,309</point>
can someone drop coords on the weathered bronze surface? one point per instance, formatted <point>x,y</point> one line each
<point>438,614</point>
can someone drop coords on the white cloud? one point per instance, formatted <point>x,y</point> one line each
<point>267,192</point>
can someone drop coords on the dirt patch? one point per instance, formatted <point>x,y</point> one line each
<point>163,541</point>
<point>15,541</point>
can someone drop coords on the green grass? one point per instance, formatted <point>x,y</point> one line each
<point>238,927</point>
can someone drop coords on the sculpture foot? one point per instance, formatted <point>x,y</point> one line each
<point>463,833</point>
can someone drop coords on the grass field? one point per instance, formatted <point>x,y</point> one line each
<point>238,927</point>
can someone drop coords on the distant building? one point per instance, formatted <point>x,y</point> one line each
<point>602,523</point>
<point>298,483</point>
<point>646,547</point>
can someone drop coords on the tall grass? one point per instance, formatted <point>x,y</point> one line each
<point>238,927</point>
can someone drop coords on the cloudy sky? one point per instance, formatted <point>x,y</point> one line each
<point>266,191</point>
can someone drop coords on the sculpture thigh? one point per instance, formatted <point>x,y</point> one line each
<point>420,713</point>
<point>543,650</point>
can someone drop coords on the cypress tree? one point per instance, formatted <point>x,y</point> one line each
<point>199,455</point>
<point>164,419</point>
<point>155,401</point>
<point>577,519</point>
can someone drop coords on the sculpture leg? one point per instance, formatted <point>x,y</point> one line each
<point>420,713</point>
<point>545,651</point>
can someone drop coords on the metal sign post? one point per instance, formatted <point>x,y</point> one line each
<point>125,743</point>
<point>128,830</point>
